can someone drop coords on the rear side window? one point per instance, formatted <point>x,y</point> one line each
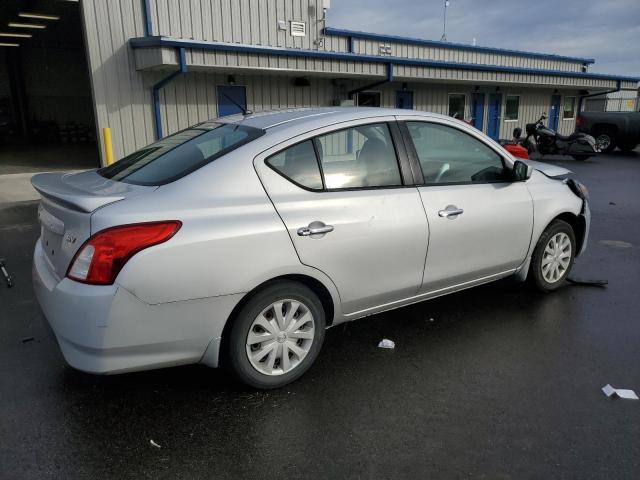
<point>299,164</point>
<point>362,156</point>
<point>357,157</point>
<point>177,155</point>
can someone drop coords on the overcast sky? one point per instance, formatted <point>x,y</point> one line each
<point>607,30</point>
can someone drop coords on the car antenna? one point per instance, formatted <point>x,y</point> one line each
<point>244,110</point>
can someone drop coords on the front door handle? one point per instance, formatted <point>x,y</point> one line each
<point>451,212</point>
<point>315,228</point>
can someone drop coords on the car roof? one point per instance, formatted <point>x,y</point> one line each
<point>283,119</point>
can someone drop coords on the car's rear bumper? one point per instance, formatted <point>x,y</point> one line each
<point>107,329</point>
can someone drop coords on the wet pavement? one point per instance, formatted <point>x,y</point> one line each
<point>494,382</point>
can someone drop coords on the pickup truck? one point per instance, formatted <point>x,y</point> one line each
<point>611,129</point>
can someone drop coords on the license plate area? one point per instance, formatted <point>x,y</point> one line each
<point>51,233</point>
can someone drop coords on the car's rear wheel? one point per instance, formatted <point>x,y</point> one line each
<point>276,335</point>
<point>553,256</point>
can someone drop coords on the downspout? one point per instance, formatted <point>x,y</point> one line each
<point>146,13</point>
<point>582,97</point>
<point>182,61</point>
<point>376,84</point>
<point>182,68</point>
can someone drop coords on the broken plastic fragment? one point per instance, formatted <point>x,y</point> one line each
<point>610,392</point>
<point>154,444</point>
<point>386,343</point>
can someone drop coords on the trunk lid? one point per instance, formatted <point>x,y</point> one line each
<point>68,201</point>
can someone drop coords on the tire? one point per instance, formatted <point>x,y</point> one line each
<point>627,147</point>
<point>261,308</point>
<point>543,279</point>
<point>605,140</point>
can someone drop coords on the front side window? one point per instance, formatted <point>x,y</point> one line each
<point>456,105</point>
<point>177,155</point>
<point>362,156</point>
<point>299,164</point>
<point>448,155</point>
<point>512,107</point>
<point>569,110</point>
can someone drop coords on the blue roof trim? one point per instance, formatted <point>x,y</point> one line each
<point>456,46</point>
<point>156,41</point>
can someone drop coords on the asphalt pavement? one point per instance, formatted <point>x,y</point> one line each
<point>497,382</point>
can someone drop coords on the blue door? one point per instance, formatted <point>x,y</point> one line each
<point>477,110</point>
<point>493,120</point>
<point>404,99</point>
<point>229,97</point>
<point>554,114</point>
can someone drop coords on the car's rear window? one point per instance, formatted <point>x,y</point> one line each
<point>177,155</point>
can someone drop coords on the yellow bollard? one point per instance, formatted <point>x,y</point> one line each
<point>108,147</point>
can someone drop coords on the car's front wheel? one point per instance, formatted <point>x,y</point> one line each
<point>553,256</point>
<point>276,335</point>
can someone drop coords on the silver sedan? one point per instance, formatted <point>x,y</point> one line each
<point>241,239</point>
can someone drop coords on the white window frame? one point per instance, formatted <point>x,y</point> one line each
<point>505,108</point>
<point>575,106</point>
<point>466,103</point>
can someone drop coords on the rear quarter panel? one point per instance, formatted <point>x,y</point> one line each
<point>231,240</point>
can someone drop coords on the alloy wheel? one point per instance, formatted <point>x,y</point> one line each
<point>556,257</point>
<point>280,337</point>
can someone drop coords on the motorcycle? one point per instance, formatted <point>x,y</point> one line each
<point>543,140</point>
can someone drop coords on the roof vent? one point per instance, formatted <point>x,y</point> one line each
<point>298,29</point>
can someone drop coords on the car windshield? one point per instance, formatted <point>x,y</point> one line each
<point>177,155</point>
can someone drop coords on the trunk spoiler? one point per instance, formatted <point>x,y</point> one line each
<point>84,191</point>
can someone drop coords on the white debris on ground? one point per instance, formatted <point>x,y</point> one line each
<point>386,343</point>
<point>611,392</point>
<point>154,444</point>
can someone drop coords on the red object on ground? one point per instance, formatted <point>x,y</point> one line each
<point>517,150</point>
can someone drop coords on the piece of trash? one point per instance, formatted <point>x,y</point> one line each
<point>612,203</point>
<point>5,274</point>
<point>588,283</point>
<point>154,444</point>
<point>386,343</point>
<point>28,339</point>
<point>611,392</point>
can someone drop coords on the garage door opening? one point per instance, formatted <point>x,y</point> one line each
<point>46,109</point>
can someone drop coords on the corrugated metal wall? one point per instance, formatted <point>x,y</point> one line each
<point>255,22</point>
<point>193,98</point>
<point>371,47</point>
<point>123,95</point>
<point>237,21</point>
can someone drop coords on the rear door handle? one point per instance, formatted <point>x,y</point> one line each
<point>315,228</point>
<point>450,211</point>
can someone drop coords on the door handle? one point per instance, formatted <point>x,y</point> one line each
<point>450,211</point>
<point>315,228</point>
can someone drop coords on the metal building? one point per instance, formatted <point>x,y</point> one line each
<point>157,66</point>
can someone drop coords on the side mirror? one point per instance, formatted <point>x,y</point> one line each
<point>521,171</point>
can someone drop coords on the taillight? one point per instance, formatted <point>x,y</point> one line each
<point>101,258</point>
<point>578,121</point>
